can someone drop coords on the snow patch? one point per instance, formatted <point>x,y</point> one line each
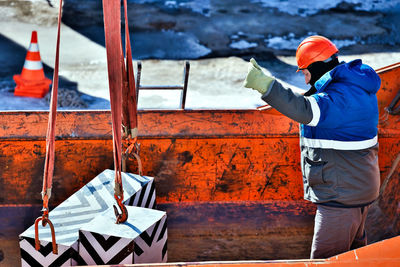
<point>171,4</point>
<point>186,45</point>
<point>197,6</point>
<point>310,7</point>
<point>293,7</point>
<point>242,44</point>
<point>281,43</point>
<point>290,42</point>
<point>343,43</point>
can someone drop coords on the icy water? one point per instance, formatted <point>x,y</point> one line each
<point>293,7</point>
<point>186,29</point>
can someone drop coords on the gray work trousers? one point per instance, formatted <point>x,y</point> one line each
<point>338,230</point>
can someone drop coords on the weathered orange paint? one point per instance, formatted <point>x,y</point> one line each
<point>22,168</point>
<point>224,169</point>
<point>253,162</point>
<point>284,263</point>
<point>385,249</point>
<point>381,254</point>
<point>192,163</point>
<point>239,230</point>
<point>389,87</point>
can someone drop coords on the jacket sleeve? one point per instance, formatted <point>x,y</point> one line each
<point>303,109</point>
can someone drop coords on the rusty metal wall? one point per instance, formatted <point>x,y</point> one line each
<point>225,177</point>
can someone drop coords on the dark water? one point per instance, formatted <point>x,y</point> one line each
<point>189,29</point>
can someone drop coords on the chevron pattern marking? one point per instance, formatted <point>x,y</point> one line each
<point>67,255</point>
<point>146,198</point>
<point>80,208</point>
<point>151,245</point>
<point>142,239</point>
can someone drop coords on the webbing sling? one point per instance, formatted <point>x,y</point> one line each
<point>122,92</point>
<point>129,104</point>
<point>129,101</point>
<point>50,144</point>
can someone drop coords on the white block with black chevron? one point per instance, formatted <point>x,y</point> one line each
<point>141,239</point>
<point>67,255</point>
<point>79,209</point>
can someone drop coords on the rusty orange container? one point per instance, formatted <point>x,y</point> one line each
<point>229,180</point>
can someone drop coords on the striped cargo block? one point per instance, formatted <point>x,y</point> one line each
<point>141,239</point>
<point>67,255</point>
<point>79,209</point>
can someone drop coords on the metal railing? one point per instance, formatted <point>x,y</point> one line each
<point>165,87</point>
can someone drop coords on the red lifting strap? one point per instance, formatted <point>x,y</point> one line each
<point>129,104</point>
<point>122,91</point>
<point>129,101</point>
<point>50,144</point>
<point>112,31</point>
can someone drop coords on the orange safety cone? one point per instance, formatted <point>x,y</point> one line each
<point>32,82</point>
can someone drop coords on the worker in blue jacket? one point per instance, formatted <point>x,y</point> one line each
<point>338,120</point>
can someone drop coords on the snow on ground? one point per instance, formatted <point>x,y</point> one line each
<point>213,83</point>
<point>242,44</point>
<point>293,7</point>
<point>185,45</point>
<point>310,7</point>
<point>198,6</point>
<point>290,42</point>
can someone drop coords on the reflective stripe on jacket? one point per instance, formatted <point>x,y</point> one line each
<point>338,134</point>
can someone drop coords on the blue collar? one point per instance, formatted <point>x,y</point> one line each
<point>323,81</point>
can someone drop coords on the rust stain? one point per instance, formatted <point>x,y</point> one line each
<point>216,169</point>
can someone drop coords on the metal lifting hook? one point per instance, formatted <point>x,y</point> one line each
<point>132,149</point>
<point>121,217</point>
<point>45,220</point>
<point>392,109</point>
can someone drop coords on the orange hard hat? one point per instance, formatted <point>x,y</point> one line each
<point>312,49</point>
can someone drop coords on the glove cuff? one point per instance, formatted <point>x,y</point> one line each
<point>267,83</point>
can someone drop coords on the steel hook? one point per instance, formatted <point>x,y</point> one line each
<point>45,220</point>
<point>121,217</point>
